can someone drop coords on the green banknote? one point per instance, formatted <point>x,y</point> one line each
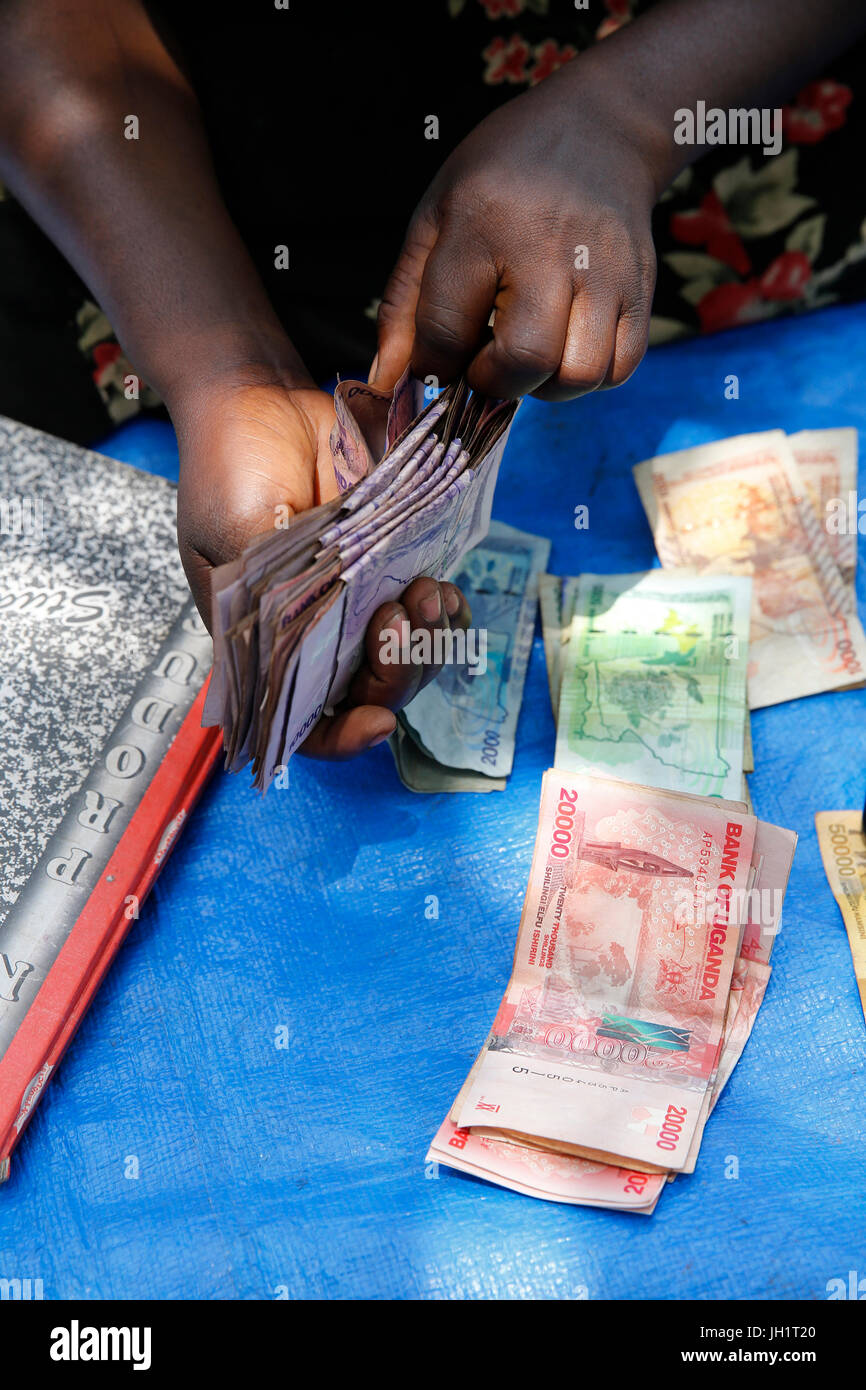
<point>654,679</point>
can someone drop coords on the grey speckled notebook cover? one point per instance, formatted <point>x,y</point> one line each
<point>90,587</point>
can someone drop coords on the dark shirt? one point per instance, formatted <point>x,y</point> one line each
<point>317,117</point>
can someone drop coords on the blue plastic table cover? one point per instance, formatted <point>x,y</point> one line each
<point>180,1152</point>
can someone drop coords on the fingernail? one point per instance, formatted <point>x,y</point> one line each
<point>392,611</point>
<point>431,606</point>
<point>380,738</point>
<point>391,629</point>
<point>374,367</point>
<point>452,602</point>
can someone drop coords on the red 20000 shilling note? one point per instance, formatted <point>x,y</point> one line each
<point>608,1033</point>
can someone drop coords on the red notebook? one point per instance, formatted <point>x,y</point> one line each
<point>103,660</point>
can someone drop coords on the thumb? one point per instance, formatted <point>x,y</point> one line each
<point>396,322</point>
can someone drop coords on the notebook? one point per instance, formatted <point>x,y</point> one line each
<point>103,662</point>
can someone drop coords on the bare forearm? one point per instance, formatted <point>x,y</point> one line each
<point>728,53</point>
<point>141,220</point>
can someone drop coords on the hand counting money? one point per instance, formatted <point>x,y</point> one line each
<point>289,616</point>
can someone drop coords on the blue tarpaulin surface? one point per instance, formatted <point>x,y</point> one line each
<point>298,1171</point>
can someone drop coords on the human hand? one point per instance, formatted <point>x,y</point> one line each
<point>248,448</point>
<point>558,172</point>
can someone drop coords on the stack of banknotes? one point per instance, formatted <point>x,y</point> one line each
<point>778,508</point>
<point>289,616</point>
<point>642,959</point>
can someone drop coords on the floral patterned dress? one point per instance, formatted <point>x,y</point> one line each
<point>740,236</point>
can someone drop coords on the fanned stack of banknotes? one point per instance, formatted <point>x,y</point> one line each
<point>289,617</point>
<point>655,895</point>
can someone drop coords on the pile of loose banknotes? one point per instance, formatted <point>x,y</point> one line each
<point>649,673</point>
<point>655,894</point>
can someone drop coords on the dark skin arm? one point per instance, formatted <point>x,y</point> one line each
<point>580,160</point>
<point>144,224</point>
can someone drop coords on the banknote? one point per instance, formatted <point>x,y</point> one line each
<point>289,616</point>
<point>843,850</point>
<point>569,597</point>
<point>748,984</point>
<point>550,604</point>
<point>746,998</point>
<point>827,460</point>
<point>369,422</point>
<point>740,507</point>
<point>420,772</point>
<point>608,1034</point>
<point>542,1031</point>
<point>654,680</point>
<point>556,603</point>
<point>760,923</point>
<point>748,750</point>
<point>466,720</point>
<point>554,593</point>
<point>537,1172</point>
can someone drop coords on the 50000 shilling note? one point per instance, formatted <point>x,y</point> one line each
<point>740,507</point>
<point>608,1033</point>
<point>654,680</point>
<point>843,850</point>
